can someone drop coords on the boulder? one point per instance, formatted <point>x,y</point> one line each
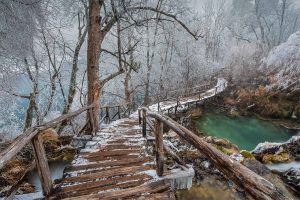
<point>278,152</point>
<point>292,178</point>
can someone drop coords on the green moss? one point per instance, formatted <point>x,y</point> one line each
<point>227,151</point>
<point>247,154</point>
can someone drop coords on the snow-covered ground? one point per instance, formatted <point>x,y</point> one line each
<point>283,62</point>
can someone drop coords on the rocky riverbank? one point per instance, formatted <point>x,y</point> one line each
<point>209,182</point>
<point>208,177</point>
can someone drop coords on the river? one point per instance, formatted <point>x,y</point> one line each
<point>245,132</point>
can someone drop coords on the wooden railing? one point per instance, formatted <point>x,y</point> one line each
<point>254,184</point>
<point>34,136</point>
<point>201,94</point>
<point>179,93</point>
<point>112,112</point>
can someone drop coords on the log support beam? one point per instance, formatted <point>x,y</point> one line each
<point>42,164</point>
<point>159,147</point>
<point>144,124</point>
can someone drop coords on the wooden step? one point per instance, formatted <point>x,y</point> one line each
<point>106,174</point>
<point>96,186</point>
<point>132,193</point>
<point>116,163</point>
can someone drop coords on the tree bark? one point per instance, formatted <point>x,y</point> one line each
<point>95,39</point>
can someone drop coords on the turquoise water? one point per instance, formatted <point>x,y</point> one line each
<point>245,132</point>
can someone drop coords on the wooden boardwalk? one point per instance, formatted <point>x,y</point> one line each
<point>119,164</point>
<point>114,165</point>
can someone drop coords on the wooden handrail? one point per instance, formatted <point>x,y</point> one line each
<point>33,135</point>
<point>181,89</point>
<point>255,185</point>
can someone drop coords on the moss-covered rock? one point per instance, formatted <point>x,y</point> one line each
<point>223,145</point>
<point>276,158</point>
<point>247,154</point>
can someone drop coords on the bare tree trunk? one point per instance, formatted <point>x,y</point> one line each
<point>95,39</point>
<point>29,112</point>
<point>283,9</point>
<point>150,59</point>
<point>73,79</point>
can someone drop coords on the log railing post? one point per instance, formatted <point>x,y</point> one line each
<point>42,164</point>
<point>119,112</point>
<point>140,117</point>
<point>159,146</point>
<point>144,124</point>
<point>107,115</point>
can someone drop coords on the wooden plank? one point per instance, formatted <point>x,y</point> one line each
<point>123,162</point>
<point>115,157</point>
<point>98,185</point>
<point>106,174</point>
<point>116,146</point>
<point>159,147</point>
<point>42,164</point>
<point>117,187</point>
<point>150,188</point>
<point>114,167</point>
<point>112,153</point>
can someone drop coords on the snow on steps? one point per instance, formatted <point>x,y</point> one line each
<point>117,165</point>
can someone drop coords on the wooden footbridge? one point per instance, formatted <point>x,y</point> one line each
<point>119,163</point>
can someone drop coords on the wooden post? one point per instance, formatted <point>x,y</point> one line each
<point>159,146</point>
<point>107,115</point>
<point>42,164</point>
<point>119,113</point>
<point>144,124</point>
<point>175,110</point>
<point>158,107</point>
<point>140,117</point>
